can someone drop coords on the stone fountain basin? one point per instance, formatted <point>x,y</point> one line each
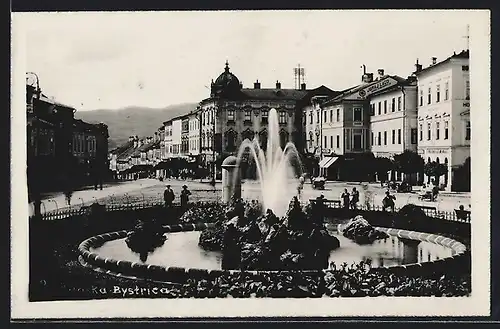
<point>138,271</point>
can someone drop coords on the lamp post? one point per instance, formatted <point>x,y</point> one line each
<point>33,179</point>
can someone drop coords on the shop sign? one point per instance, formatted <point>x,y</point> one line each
<point>378,86</point>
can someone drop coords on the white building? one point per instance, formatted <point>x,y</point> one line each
<point>393,120</point>
<point>176,137</point>
<point>194,133</point>
<point>168,138</point>
<point>444,113</point>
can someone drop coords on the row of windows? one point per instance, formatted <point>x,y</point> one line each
<point>193,125</point>
<point>80,145</point>
<point>264,116</point>
<point>207,118</point>
<point>379,141</point>
<point>437,135</point>
<point>325,116</point>
<point>394,106</point>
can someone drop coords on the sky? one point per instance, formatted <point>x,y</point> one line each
<point>155,59</point>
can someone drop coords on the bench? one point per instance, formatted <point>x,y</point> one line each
<point>463,215</point>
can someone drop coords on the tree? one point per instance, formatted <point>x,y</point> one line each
<point>462,177</point>
<point>435,169</point>
<point>381,166</point>
<point>408,162</point>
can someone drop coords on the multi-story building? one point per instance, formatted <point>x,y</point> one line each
<point>176,150</point>
<point>393,120</point>
<point>233,113</point>
<point>185,136</point>
<point>444,130</point>
<point>194,133</point>
<point>168,138</point>
<point>345,128</point>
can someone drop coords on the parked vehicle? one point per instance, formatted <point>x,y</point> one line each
<point>319,183</point>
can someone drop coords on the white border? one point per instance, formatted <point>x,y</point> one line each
<point>478,304</point>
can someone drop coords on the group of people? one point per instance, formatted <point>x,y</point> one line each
<point>350,200</point>
<point>169,196</point>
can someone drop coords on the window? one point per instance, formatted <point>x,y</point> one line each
<point>248,115</point>
<point>379,107</point>
<point>399,103</point>
<point>311,117</point>
<point>317,116</point>
<point>265,113</point>
<point>282,118</point>
<point>379,139</point>
<point>429,96</point>
<point>358,114</point>
<point>393,136</point>
<point>372,109</point>
<point>446,91</point>
<point>467,89</point>
<point>414,135</point>
<point>338,141</point>
<point>428,131</point>
<point>230,115</point>
<point>446,130</point>
<point>393,104</point>
<point>399,136</point>
<point>338,115</point>
<point>331,141</point>
<point>325,141</point>
<point>372,139</point>
<point>385,137</point>
<point>231,141</point>
<point>465,67</point>
<point>331,115</point>
<point>324,116</point>
<point>437,130</point>
<point>421,98</point>
<point>385,107</point>
<point>438,93</point>
<point>467,131</point>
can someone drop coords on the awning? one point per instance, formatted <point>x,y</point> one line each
<point>324,161</point>
<point>331,161</point>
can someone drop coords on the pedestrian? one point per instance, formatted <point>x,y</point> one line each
<point>345,199</point>
<point>185,197</point>
<point>168,196</point>
<point>388,201</point>
<point>354,198</point>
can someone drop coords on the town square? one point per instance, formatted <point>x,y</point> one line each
<point>249,166</point>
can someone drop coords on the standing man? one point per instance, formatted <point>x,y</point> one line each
<point>168,196</point>
<point>354,198</point>
<point>345,199</point>
<point>185,197</point>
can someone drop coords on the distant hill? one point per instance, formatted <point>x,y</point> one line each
<point>134,120</point>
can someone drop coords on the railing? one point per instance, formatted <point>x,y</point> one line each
<point>142,201</point>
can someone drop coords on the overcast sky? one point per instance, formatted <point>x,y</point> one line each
<point>154,59</point>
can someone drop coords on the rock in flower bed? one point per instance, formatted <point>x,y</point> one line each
<point>146,237</point>
<point>252,241</point>
<point>360,231</point>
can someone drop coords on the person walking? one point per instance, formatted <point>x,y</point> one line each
<point>185,197</point>
<point>354,198</point>
<point>168,196</point>
<point>388,201</point>
<point>345,199</point>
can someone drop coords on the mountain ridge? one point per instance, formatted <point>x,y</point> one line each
<point>133,120</point>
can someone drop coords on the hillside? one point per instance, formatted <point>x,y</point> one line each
<point>135,120</point>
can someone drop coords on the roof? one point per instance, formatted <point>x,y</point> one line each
<point>274,94</point>
<point>406,82</point>
<point>357,88</point>
<point>122,148</point>
<point>464,54</point>
<point>127,152</point>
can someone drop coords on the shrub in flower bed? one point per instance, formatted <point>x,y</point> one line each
<point>146,237</point>
<point>252,241</point>
<point>205,212</point>
<point>360,231</point>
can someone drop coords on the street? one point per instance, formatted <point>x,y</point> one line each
<point>151,190</point>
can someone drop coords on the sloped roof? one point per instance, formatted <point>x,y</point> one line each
<point>274,94</point>
<point>122,148</point>
<point>463,54</point>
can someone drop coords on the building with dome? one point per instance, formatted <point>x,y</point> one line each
<point>234,113</point>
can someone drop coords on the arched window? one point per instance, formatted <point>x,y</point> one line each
<point>263,140</point>
<point>283,138</point>
<point>437,159</point>
<point>231,136</point>
<point>428,160</point>
<point>247,134</point>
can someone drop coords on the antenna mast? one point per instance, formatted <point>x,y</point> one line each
<point>299,75</point>
<point>467,38</point>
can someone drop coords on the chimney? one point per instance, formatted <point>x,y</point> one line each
<point>434,60</point>
<point>278,85</point>
<point>130,138</point>
<point>380,72</point>
<point>256,85</point>
<point>418,67</point>
<point>303,86</point>
<point>368,77</point>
